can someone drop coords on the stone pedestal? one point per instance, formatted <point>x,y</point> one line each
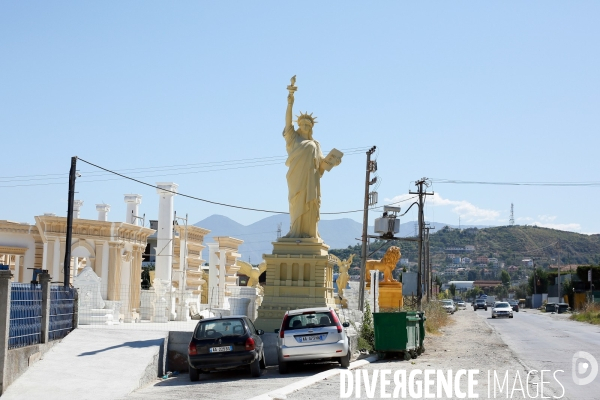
<point>160,304</point>
<point>250,293</point>
<point>147,298</point>
<point>299,275</point>
<point>390,295</point>
<point>183,306</point>
<point>239,306</point>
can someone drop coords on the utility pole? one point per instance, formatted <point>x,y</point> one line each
<point>427,265</point>
<point>371,167</point>
<point>558,265</point>
<point>421,185</point>
<point>69,236</point>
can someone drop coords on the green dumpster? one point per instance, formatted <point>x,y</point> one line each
<point>397,332</point>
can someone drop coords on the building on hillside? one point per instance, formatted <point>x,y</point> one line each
<point>486,284</point>
<point>460,285</point>
<point>482,260</point>
<point>466,260</point>
<point>528,262</point>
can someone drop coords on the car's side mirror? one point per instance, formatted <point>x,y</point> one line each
<point>346,324</point>
<point>276,331</point>
<point>260,332</point>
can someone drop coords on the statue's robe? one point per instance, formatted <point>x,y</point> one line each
<point>304,183</point>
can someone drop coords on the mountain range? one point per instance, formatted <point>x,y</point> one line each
<point>257,237</point>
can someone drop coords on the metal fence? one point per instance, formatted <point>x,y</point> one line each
<point>62,300</point>
<point>25,325</point>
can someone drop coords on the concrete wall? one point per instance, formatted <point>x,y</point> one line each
<point>18,360</point>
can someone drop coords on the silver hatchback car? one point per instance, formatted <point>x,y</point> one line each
<point>312,334</point>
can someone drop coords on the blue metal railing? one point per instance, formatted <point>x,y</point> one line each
<point>62,301</point>
<point>25,315</point>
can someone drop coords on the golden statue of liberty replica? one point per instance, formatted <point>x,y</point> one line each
<point>300,270</point>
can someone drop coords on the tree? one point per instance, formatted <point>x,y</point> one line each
<point>452,289</point>
<point>541,281</point>
<point>521,291</point>
<point>472,275</point>
<point>505,278</point>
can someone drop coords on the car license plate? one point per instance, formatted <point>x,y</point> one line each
<point>311,338</point>
<point>220,349</point>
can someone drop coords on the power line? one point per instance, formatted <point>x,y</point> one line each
<point>348,151</point>
<point>568,184</point>
<point>210,201</point>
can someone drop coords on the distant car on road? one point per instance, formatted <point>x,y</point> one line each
<point>502,309</point>
<point>226,343</point>
<point>311,334</point>
<point>461,304</point>
<point>449,306</point>
<point>479,303</point>
<point>514,304</point>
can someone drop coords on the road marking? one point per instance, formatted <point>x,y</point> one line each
<point>282,393</point>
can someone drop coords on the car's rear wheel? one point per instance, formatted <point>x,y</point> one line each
<point>345,361</point>
<point>255,368</point>
<point>284,367</point>
<point>194,375</point>
<point>263,363</point>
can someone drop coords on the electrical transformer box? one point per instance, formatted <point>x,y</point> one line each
<point>387,225</point>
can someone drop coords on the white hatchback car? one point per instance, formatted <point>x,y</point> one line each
<point>312,334</point>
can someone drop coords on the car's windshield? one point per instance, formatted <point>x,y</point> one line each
<point>481,301</point>
<point>502,305</point>
<point>218,328</point>
<point>309,320</point>
<point>447,302</point>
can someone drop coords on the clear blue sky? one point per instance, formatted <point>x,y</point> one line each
<point>486,91</point>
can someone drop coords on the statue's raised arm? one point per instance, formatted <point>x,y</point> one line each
<point>288,114</point>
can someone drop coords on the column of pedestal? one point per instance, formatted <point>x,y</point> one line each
<point>213,278</point>
<point>134,279</point>
<point>114,271</point>
<point>164,235</point>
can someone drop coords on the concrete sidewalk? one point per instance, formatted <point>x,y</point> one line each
<point>94,364</point>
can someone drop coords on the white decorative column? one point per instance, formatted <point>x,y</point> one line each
<point>184,296</point>
<point>17,268</point>
<point>103,210</point>
<point>77,207</point>
<point>164,235</point>
<point>222,259</point>
<point>132,201</point>
<point>213,283</point>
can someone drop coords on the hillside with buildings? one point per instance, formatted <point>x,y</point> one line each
<point>474,253</point>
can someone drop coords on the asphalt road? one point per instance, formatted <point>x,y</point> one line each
<point>549,342</point>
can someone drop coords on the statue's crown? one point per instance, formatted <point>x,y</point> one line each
<point>307,116</point>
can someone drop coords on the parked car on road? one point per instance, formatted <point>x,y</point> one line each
<point>449,306</point>
<point>312,334</point>
<point>502,309</point>
<point>226,343</point>
<point>514,304</point>
<point>479,303</point>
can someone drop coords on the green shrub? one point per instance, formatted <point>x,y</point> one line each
<point>366,338</point>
